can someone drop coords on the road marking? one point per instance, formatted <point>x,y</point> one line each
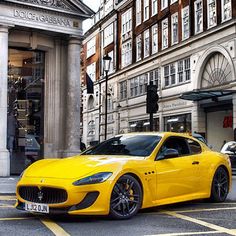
<point>200,222</point>
<point>20,218</point>
<point>55,228</point>
<point>6,206</point>
<point>189,233</point>
<point>7,198</point>
<point>207,209</point>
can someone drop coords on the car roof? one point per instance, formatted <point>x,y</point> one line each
<point>162,134</point>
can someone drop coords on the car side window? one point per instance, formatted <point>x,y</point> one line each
<point>195,147</point>
<point>177,143</point>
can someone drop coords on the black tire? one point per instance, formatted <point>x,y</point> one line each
<point>126,198</point>
<point>220,185</point>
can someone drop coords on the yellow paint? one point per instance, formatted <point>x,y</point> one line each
<point>163,182</point>
<point>201,222</point>
<point>207,209</point>
<point>7,198</point>
<point>55,228</point>
<point>6,206</point>
<point>20,218</point>
<point>189,233</point>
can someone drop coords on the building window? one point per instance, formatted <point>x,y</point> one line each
<point>173,1</point>
<point>155,77</point>
<point>146,43</point>
<point>174,28</point>
<point>154,7</point>
<point>154,39</point>
<point>143,81</point>
<point>111,54</point>
<point>91,47</point>
<point>164,4</point>
<point>108,35</point>
<point>226,9</point>
<point>126,24</point>
<point>138,85</point>
<point>180,123</point>
<point>146,10</point>
<point>91,71</point>
<point>182,74</point>
<point>138,12</point>
<point>185,23</point>
<point>165,34</point>
<point>198,16</point>
<point>180,71</point>
<point>172,74</point>
<point>139,47</point>
<point>123,90</point>
<point>126,53</point>
<point>108,6</point>
<point>187,73</point>
<point>166,76</point>
<point>211,10</point>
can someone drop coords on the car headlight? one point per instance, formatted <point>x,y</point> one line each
<point>93,179</point>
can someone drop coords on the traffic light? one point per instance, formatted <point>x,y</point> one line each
<point>152,99</point>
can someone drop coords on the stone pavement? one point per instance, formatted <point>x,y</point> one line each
<point>8,186</point>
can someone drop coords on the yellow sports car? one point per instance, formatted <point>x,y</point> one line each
<point>124,174</point>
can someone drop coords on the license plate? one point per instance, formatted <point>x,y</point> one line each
<point>36,207</point>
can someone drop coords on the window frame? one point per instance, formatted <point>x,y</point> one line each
<point>146,44</point>
<point>154,36</point>
<point>208,14</point>
<point>185,9</point>
<point>146,7</point>
<point>173,17</point>
<point>166,29</point>
<point>222,11</point>
<point>195,17</point>
<point>138,12</point>
<point>154,5</point>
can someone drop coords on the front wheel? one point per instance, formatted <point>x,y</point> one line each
<point>220,185</point>
<point>126,198</point>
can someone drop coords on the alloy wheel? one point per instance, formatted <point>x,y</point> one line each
<point>220,185</point>
<point>126,198</point>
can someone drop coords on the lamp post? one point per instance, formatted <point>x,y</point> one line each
<point>106,68</point>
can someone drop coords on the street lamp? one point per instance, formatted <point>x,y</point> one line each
<point>106,68</point>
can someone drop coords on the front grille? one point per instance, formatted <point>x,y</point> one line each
<point>43,195</point>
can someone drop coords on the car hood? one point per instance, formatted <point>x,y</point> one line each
<point>78,166</point>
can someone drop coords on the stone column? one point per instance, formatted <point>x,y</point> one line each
<point>4,154</point>
<point>73,98</point>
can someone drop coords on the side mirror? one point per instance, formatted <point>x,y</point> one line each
<point>232,148</point>
<point>170,153</point>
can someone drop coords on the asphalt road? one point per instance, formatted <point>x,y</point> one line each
<point>191,218</point>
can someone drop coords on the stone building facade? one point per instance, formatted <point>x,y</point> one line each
<point>39,84</point>
<point>182,46</point>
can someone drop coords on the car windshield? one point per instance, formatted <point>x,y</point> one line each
<point>135,145</point>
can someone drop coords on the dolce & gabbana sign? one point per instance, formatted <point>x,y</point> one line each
<point>42,18</point>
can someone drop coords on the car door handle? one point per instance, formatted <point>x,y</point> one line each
<point>195,163</point>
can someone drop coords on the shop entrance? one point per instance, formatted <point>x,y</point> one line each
<point>219,128</point>
<point>25,107</point>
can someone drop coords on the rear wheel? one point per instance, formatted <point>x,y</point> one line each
<point>220,185</point>
<point>126,198</point>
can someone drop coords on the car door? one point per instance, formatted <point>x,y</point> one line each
<point>176,176</point>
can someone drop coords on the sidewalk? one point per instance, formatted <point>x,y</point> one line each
<point>8,185</point>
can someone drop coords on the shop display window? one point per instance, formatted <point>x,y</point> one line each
<point>178,123</point>
<point>25,106</point>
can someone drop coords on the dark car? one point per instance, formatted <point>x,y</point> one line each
<point>230,149</point>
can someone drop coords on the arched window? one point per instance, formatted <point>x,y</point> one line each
<point>90,102</point>
<point>217,71</point>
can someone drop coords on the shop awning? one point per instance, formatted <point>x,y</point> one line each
<point>198,95</point>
